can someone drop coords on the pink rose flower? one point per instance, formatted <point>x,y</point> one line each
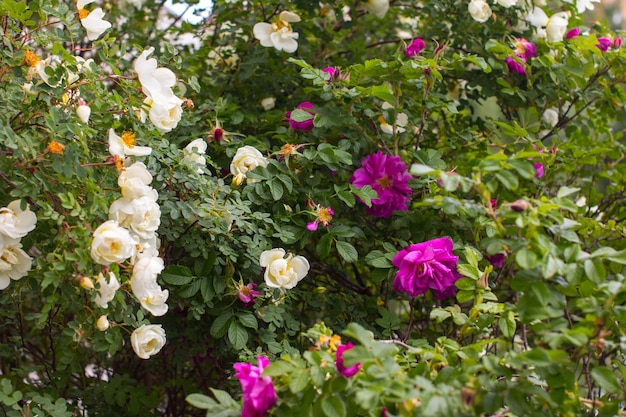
<point>415,47</point>
<point>258,392</point>
<point>304,125</point>
<point>427,265</point>
<point>347,371</point>
<point>388,176</point>
<point>247,293</point>
<point>572,33</point>
<point>603,44</point>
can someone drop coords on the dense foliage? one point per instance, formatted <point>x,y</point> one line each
<point>359,208</point>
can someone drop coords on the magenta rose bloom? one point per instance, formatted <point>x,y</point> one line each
<point>247,293</point>
<point>427,265</point>
<point>415,47</point>
<point>258,392</point>
<point>515,66</point>
<point>603,44</point>
<point>304,125</point>
<point>347,371</point>
<point>572,33</point>
<point>388,176</point>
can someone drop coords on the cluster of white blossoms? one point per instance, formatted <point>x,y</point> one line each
<point>165,107</point>
<point>15,223</point>
<point>193,155</point>
<point>130,234</point>
<point>93,21</point>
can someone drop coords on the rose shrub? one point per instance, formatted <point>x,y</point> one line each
<point>370,208</point>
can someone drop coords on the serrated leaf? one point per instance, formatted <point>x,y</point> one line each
<point>219,327</point>
<point>299,115</point>
<point>333,407</point>
<point>377,259</point>
<point>366,194</point>
<point>606,379</point>
<point>248,320</point>
<point>299,380</point>
<point>237,335</point>
<point>223,397</point>
<point>278,368</point>
<point>347,251</point>
<point>177,275</point>
<point>420,169</point>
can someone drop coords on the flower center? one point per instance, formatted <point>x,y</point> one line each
<point>244,290</point>
<point>129,139</point>
<point>56,147</point>
<point>31,58</point>
<point>324,215</point>
<point>384,182</point>
<point>82,13</point>
<point>279,24</point>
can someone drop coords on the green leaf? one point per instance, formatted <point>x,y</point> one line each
<point>299,380</point>
<point>333,407</point>
<point>223,397</point>
<point>237,335</point>
<point>595,271</point>
<point>177,275</point>
<point>420,169</point>
<point>201,401</point>
<point>526,258</point>
<point>366,194</point>
<point>606,379</point>
<point>347,251</point>
<point>248,320</point>
<point>278,368</point>
<point>507,179</point>
<point>276,188</point>
<point>377,259</point>
<point>299,115</point>
<point>219,327</point>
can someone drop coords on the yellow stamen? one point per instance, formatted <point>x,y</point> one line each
<point>31,58</point>
<point>56,147</point>
<point>384,182</point>
<point>128,138</point>
<point>82,13</point>
<point>324,215</point>
<point>118,162</point>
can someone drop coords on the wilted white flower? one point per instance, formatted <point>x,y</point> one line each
<point>247,158</point>
<point>550,117</point>
<point>125,145</point>
<point>111,243</point>
<point>194,155</point>
<point>106,290</point>
<point>15,222</point>
<point>281,272</point>
<point>479,10</point>
<point>378,8</point>
<point>401,121</point>
<point>148,340</point>
<point>14,262</point>
<point>268,103</point>
<point>279,34</point>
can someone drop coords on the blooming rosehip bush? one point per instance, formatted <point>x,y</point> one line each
<point>364,208</point>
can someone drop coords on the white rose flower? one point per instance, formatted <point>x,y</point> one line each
<point>111,244</point>
<point>401,121</point>
<point>135,180</point>
<point>165,115</point>
<point>93,22</point>
<point>268,103</point>
<point>15,222</point>
<point>247,158</point>
<point>479,10</point>
<point>147,248</point>
<point>550,117</point>
<point>507,3</point>
<point>103,323</point>
<point>125,145</point>
<point>142,216</point>
<point>378,8</point>
<point>14,262</point>
<point>193,155</point>
<point>148,340</point>
<point>553,29</point>
<point>145,287</point>
<point>583,5</point>
<point>281,272</point>
<point>106,290</point>
<point>279,34</point>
